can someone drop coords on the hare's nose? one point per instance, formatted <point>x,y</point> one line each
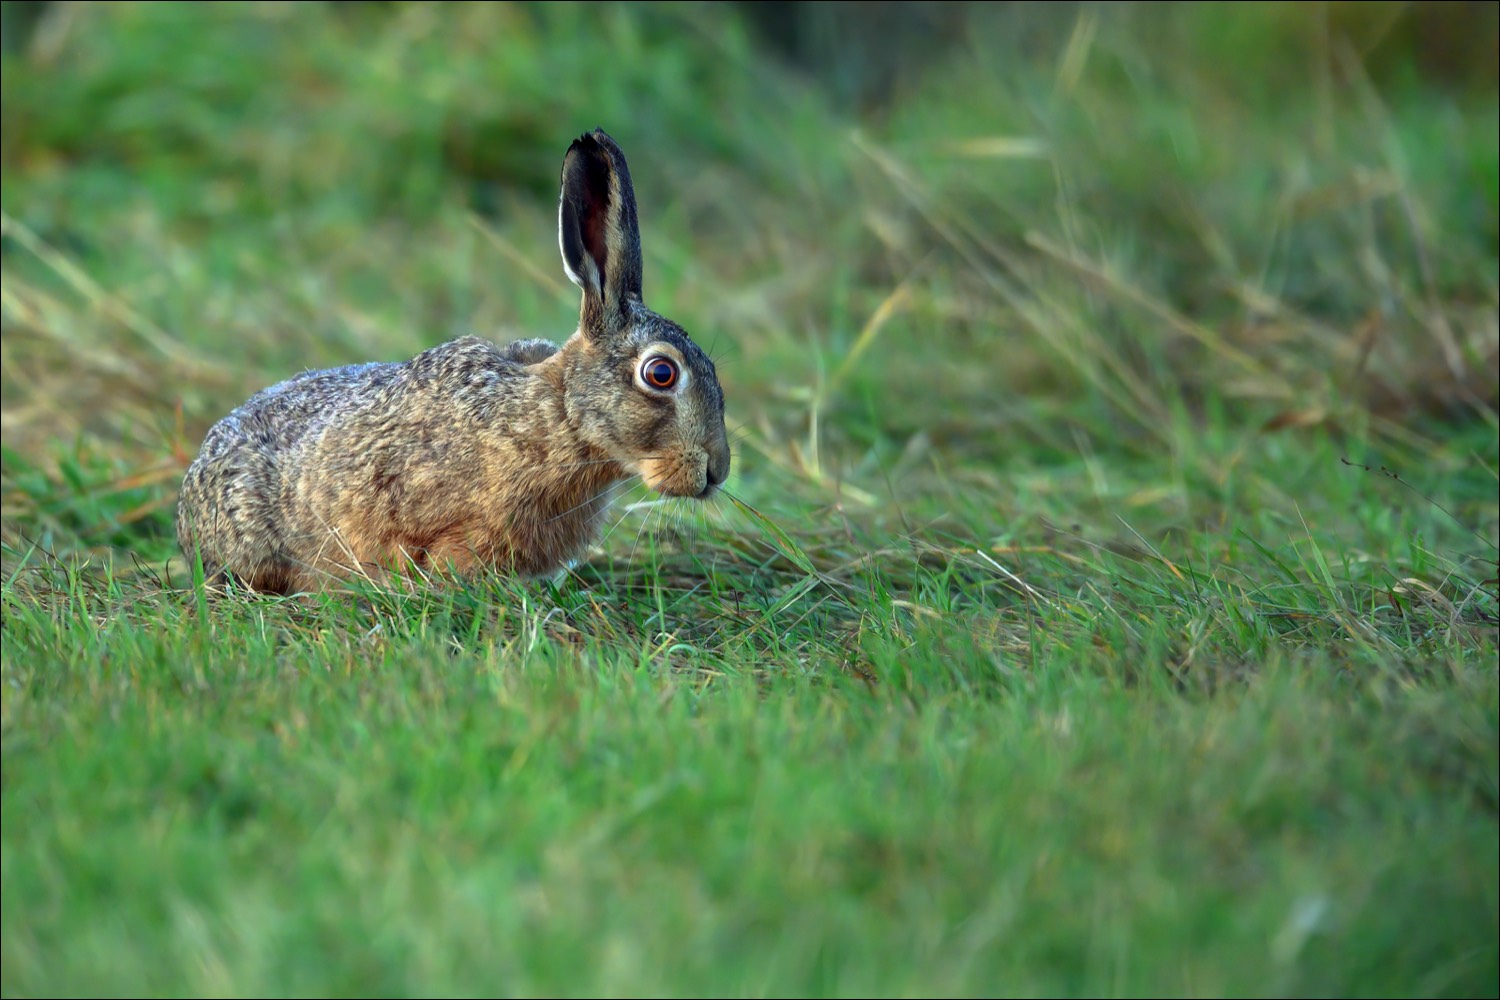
<point>718,462</point>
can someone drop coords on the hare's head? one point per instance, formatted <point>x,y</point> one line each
<point>638,388</point>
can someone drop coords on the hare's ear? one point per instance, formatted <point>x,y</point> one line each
<point>598,233</point>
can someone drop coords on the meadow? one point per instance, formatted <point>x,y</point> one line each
<point>1104,599</point>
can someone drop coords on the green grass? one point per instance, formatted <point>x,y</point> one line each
<point>1106,604</point>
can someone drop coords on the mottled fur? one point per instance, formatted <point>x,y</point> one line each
<point>469,454</point>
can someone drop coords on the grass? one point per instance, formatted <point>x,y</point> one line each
<point>1107,601</point>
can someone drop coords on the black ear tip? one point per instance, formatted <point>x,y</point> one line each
<point>600,139</point>
<point>594,142</point>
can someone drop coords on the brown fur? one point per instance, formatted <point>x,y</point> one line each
<point>469,455</point>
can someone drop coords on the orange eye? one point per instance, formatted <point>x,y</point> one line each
<point>659,372</point>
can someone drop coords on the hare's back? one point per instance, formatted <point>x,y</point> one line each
<point>365,398</point>
<point>276,418</point>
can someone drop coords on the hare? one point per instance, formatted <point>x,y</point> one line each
<point>469,455</point>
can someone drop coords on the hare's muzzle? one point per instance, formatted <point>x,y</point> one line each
<point>718,465</point>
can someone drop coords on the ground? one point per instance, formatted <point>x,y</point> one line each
<point>1104,597</point>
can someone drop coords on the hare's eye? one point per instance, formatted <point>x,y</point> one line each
<point>659,372</point>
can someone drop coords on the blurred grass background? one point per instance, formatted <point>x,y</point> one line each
<point>1067,647</point>
<point>1088,213</point>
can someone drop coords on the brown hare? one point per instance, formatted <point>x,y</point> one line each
<point>469,455</point>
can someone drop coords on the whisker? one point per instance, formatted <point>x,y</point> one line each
<point>598,461</point>
<point>615,526</point>
<point>644,522</point>
<point>597,496</point>
<point>656,536</point>
<point>581,465</point>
